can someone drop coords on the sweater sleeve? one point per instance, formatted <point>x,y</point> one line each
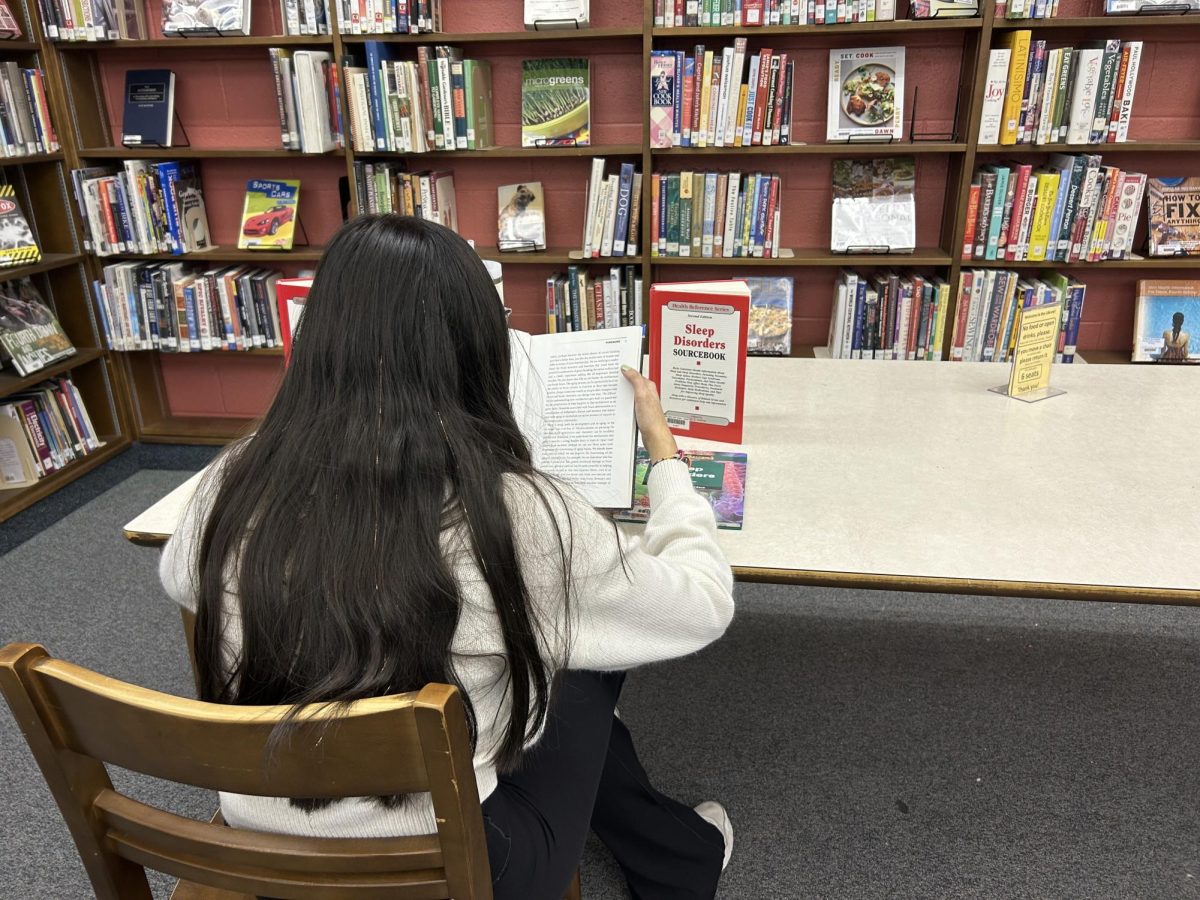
<point>664,593</point>
<point>177,566</point>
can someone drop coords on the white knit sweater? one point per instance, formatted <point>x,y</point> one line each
<point>671,596</point>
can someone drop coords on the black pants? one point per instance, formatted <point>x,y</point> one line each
<point>584,775</point>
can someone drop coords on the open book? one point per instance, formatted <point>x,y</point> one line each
<point>576,408</point>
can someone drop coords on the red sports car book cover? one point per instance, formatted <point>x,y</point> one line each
<point>269,215</point>
<point>698,336</point>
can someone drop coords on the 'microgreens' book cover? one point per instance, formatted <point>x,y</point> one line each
<point>555,102</point>
<point>717,476</point>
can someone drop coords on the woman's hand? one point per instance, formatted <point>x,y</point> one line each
<point>657,437</point>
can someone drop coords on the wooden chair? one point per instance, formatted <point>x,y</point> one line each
<point>76,721</point>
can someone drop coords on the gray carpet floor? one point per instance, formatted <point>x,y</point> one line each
<point>866,744</point>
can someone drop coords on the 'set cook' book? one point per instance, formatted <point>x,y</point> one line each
<point>149,115</point>
<point>698,334</point>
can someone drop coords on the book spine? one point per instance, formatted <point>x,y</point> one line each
<point>458,86</point>
<point>747,131</point>
<point>1018,44</point>
<point>1083,96</point>
<point>1114,112</point>
<point>621,225</point>
<point>972,220</point>
<point>1125,111</point>
<point>677,101</point>
<point>760,98</point>
<point>685,105</point>
<point>1111,59</point>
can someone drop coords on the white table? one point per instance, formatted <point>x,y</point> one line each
<point>913,476</point>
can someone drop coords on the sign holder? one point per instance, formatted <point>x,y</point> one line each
<point>1033,356</point>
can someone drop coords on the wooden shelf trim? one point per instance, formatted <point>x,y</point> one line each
<point>11,382</point>
<point>223,254</point>
<point>899,148</point>
<point>553,256</point>
<point>30,159</point>
<point>1150,21</point>
<point>257,351</point>
<point>1117,147</point>
<point>48,263</point>
<point>12,502</point>
<point>814,257</point>
<point>497,37</point>
<point>511,152</point>
<point>200,153</point>
<point>202,43</point>
<point>19,46</point>
<point>895,26</point>
<point>1148,262</point>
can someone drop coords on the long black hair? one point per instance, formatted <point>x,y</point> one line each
<point>391,425</point>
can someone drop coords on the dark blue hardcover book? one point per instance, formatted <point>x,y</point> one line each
<point>149,107</point>
<point>621,229</point>
<point>377,52</point>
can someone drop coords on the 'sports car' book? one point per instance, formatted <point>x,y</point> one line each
<point>269,215</point>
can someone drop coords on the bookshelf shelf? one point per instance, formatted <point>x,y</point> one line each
<point>12,502</point>
<point>32,159</point>
<point>498,37</point>
<point>11,382</point>
<point>175,43</point>
<point>898,26</point>
<point>814,257</point>
<point>257,351</point>
<point>200,153</point>
<point>194,429</point>
<point>557,256</point>
<point>1122,147</point>
<point>1158,262</point>
<point>19,46</point>
<point>224,254</point>
<point>845,150</point>
<point>48,263</point>
<point>512,152</point>
<point>1098,22</point>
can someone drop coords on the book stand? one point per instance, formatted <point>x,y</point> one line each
<point>1033,354</point>
<point>8,34</point>
<point>914,136</point>
<point>1032,397</point>
<point>912,8</point>
<point>1173,9</point>
<point>299,234</point>
<point>521,245</point>
<point>867,139</point>
<point>156,145</point>
<point>880,249</point>
<point>202,33</point>
<point>556,24</point>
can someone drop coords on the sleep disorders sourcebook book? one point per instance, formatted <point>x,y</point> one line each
<point>149,116</point>
<point>576,408</point>
<point>717,476</point>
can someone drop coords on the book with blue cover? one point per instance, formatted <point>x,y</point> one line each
<point>149,108</point>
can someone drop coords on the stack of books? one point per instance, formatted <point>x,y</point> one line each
<point>613,216</point>
<point>384,188</point>
<point>701,100</point>
<point>582,301</point>
<point>726,13</point>
<point>177,309</point>
<point>389,16</point>
<point>715,214</point>
<point>24,113</point>
<point>143,208</point>
<point>439,102</point>
<point>1026,9</point>
<point>989,312</point>
<point>1074,209</point>
<point>48,427</point>
<point>888,316</point>
<point>307,93</point>
<point>305,16</point>
<point>1074,95</point>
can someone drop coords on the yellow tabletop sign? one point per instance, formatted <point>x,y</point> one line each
<point>1037,341</point>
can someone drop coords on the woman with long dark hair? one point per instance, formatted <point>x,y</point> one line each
<point>384,528</point>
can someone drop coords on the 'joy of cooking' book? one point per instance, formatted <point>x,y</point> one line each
<point>719,477</point>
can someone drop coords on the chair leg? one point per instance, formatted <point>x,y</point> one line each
<point>574,891</point>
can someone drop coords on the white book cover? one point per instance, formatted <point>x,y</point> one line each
<point>866,93</point>
<point>993,96</point>
<point>1046,105</point>
<point>1083,97</point>
<point>718,124</point>
<point>613,189</point>
<point>751,96</point>
<point>848,315</point>
<point>735,90</point>
<point>593,197</point>
<point>1126,109</point>
<point>731,216</point>
<point>599,216</point>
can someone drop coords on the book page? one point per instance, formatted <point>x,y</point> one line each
<point>577,410</point>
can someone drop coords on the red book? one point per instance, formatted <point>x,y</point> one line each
<point>1013,238</point>
<point>752,12</point>
<point>777,104</point>
<point>760,97</point>
<point>972,218</point>
<point>769,248</point>
<point>290,295</point>
<point>698,356</point>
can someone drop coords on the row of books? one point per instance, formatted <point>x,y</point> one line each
<point>307,93</point>
<point>700,99</point>
<point>143,207</point>
<point>1074,209</point>
<point>304,16</point>
<point>1075,95</point>
<point>95,20</point>
<point>439,102</point>
<point>613,211</point>
<point>580,300</point>
<point>179,309</point>
<point>389,16</point>
<point>989,312</point>
<point>383,188</point>
<point>716,214</point>
<point>31,337</point>
<point>1048,9</point>
<point>751,13</point>
<point>48,428</point>
<point>25,125</point>
<point>888,315</point>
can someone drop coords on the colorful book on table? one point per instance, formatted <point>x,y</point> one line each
<point>719,477</point>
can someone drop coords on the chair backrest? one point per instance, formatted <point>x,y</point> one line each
<point>76,721</point>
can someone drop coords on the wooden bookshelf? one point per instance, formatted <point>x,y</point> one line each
<point>41,182</point>
<point>162,396</point>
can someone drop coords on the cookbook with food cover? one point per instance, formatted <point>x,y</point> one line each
<point>717,476</point>
<point>866,94</point>
<point>874,208</point>
<point>770,332</point>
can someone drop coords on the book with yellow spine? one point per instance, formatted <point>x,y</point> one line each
<point>1043,215</point>
<point>1017,42</point>
<point>705,98</point>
